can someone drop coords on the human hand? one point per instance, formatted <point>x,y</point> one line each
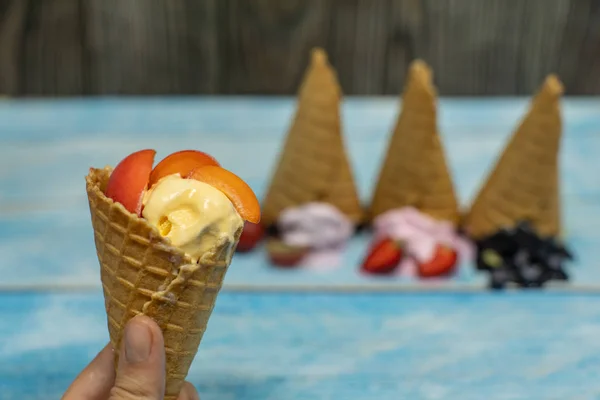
<point>140,374</point>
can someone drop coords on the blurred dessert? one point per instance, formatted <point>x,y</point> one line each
<point>414,204</point>
<point>518,206</point>
<point>313,166</point>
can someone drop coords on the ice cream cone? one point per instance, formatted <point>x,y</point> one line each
<point>313,165</point>
<point>524,184</point>
<point>143,274</point>
<point>414,172</point>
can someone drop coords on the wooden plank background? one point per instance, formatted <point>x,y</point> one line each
<point>146,47</point>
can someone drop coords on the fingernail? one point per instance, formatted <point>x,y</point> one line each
<point>138,341</point>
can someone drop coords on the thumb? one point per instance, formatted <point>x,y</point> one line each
<point>141,369</point>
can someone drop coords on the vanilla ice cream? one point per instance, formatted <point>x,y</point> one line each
<point>193,215</point>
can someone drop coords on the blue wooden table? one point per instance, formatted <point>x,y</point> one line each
<point>377,340</point>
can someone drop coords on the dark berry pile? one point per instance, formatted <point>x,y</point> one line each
<point>519,256</point>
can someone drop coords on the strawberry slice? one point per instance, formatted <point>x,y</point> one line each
<point>251,235</point>
<point>443,263</point>
<point>383,257</point>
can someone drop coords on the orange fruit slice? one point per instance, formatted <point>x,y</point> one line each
<point>237,191</point>
<point>182,162</point>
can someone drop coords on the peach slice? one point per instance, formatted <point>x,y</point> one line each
<point>237,191</point>
<point>182,162</point>
<point>129,180</point>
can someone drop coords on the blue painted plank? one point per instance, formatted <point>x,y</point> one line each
<point>57,247</point>
<point>47,147</point>
<point>513,346</point>
<point>53,173</point>
<point>24,121</point>
<point>62,139</point>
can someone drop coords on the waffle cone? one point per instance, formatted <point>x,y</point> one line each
<point>313,165</point>
<point>143,274</point>
<point>415,172</point>
<point>524,184</point>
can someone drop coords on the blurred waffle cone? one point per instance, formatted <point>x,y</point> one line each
<point>143,274</point>
<point>415,172</point>
<point>524,185</point>
<point>313,165</point>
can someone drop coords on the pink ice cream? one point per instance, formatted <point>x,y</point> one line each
<point>421,235</point>
<point>320,227</point>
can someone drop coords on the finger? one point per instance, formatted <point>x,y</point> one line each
<point>96,380</point>
<point>188,392</point>
<point>141,370</point>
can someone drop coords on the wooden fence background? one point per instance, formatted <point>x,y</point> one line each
<point>476,47</point>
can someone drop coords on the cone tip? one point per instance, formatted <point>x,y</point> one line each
<point>421,71</point>
<point>553,85</point>
<point>318,56</point>
<point>418,64</point>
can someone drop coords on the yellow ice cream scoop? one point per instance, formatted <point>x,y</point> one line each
<point>193,215</point>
